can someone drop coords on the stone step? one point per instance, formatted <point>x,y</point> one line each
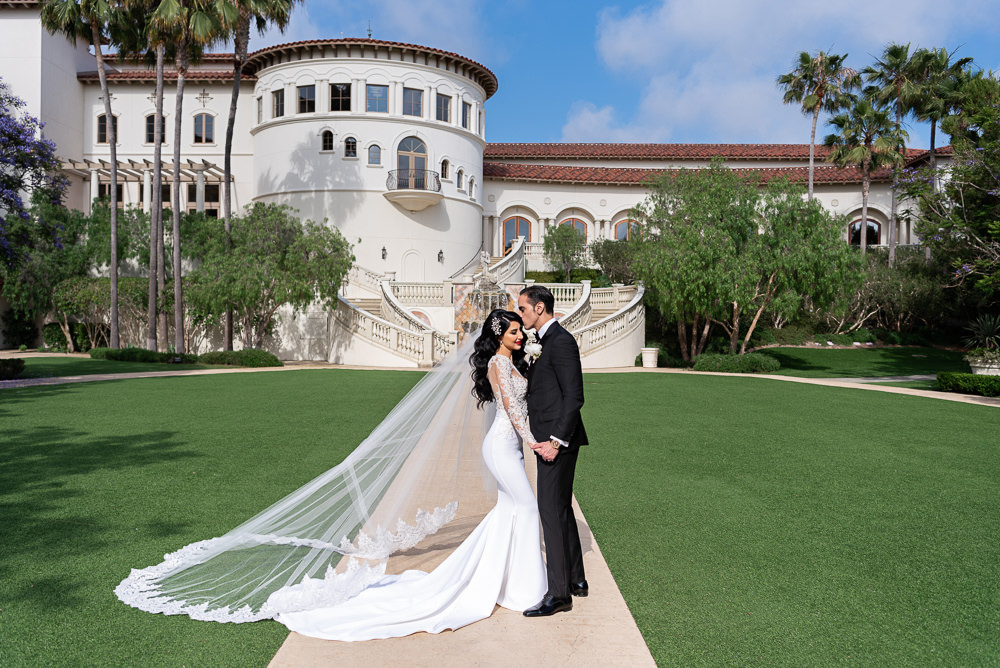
<point>371,304</point>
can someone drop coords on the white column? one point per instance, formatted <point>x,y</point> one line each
<point>456,110</point>
<point>147,190</point>
<point>357,96</point>
<point>200,189</point>
<point>323,96</point>
<point>428,103</point>
<point>432,103</point>
<point>395,98</point>
<point>94,190</point>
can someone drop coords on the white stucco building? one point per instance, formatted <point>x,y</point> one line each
<point>387,142</point>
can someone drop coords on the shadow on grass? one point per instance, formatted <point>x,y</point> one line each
<point>47,517</point>
<point>863,362</point>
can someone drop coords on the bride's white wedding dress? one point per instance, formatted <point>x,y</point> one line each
<point>499,563</point>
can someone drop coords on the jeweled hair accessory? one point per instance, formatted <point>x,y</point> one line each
<point>496,326</point>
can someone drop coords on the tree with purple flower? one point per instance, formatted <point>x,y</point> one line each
<point>28,165</point>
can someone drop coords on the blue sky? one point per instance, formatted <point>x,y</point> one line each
<point>665,71</point>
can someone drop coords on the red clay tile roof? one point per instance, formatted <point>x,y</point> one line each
<point>485,76</point>
<point>148,76</point>
<point>571,151</point>
<point>632,176</point>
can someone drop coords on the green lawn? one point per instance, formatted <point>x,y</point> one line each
<point>864,362</point>
<point>747,521</point>
<point>48,367</point>
<point>913,384</point>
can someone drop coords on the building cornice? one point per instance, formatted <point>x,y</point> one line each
<point>400,52</point>
<point>701,152</point>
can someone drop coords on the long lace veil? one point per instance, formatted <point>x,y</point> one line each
<point>418,471</point>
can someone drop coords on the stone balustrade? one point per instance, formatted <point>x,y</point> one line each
<point>413,346</point>
<point>613,328</point>
<point>579,315</point>
<point>365,278</point>
<point>423,294</point>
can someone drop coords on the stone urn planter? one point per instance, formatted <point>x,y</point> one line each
<point>649,357</point>
<point>984,362</point>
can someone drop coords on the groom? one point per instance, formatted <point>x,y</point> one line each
<point>555,396</point>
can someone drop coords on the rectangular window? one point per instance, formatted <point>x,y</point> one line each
<point>204,129</point>
<point>307,99</point>
<point>466,114</point>
<point>413,102</point>
<point>278,103</point>
<point>212,198</point>
<point>151,129</point>
<point>340,97</point>
<point>378,99</point>
<point>444,108</point>
<point>102,128</point>
<point>104,192</point>
<point>260,110</point>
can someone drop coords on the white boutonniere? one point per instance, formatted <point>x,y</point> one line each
<point>532,348</point>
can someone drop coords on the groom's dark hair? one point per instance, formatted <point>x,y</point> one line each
<point>540,293</point>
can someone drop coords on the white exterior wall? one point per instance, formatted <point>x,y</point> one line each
<point>291,167</point>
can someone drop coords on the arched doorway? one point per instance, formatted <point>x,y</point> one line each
<point>411,161</point>
<point>514,227</point>
<point>413,267</point>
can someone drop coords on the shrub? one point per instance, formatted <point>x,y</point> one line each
<point>748,363</point>
<point>969,383</point>
<point>763,336</point>
<point>251,357</point>
<point>53,337</point>
<point>18,330</point>
<point>792,335</point>
<point>141,355</point>
<point>11,369</point>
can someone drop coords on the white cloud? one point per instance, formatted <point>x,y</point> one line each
<point>707,70</point>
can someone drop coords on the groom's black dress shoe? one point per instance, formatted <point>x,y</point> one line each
<point>550,605</point>
<point>580,588</point>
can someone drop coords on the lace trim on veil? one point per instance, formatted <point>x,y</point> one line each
<point>141,589</point>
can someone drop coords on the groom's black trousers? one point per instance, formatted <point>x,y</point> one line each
<point>555,506</point>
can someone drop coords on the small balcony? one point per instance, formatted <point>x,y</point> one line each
<point>413,189</point>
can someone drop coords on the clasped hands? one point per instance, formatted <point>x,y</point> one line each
<point>545,450</point>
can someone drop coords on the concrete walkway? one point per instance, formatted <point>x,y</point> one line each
<point>599,631</point>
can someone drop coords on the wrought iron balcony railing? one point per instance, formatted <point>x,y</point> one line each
<point>413,179</point>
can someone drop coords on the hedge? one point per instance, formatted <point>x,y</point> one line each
<point>140,355</point>
<point>11,368</point>
<point>251,357</point>
<point>748,363</point>
<point>969,383</point>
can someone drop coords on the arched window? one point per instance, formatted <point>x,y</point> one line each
<point>577,224</point>
<point>444,169</point>
<point>327,140</point>
<point>874,233</point>
<point>626,229</point>
<point>460,180</point>
<point>102,128</point>
<point>411,164</point>
<point>472,188</point>
<point>515,227</point>
<point>374,155</point>
<point>350,147</point>
<point>151,129</point>
<point>204,129</point>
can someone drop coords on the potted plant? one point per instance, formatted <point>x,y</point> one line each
<point>984,356</point>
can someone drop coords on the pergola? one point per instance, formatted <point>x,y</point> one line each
<point>141,171</point>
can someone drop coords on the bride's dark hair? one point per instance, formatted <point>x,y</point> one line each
<point>486,347</point>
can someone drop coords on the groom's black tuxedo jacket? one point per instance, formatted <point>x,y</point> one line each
<point>555,389</point>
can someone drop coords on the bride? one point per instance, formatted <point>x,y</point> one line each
<point>273,565</point>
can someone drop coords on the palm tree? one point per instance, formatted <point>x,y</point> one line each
<point>938,80</point>
<point>135,38</point>
<point>893,80</point>
<point>193,23</point>
<point>262,13</point>
<point>818,83</point>
<point>89,20</point>
<point>866,138</point>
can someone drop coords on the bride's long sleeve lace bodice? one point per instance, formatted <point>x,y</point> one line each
<point>509,389</point>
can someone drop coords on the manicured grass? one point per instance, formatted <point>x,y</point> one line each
<point>747,521</point>
<point>99,478</point>
<point>757,522</point>
<point>49,367</point>
<point>865,362</point>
